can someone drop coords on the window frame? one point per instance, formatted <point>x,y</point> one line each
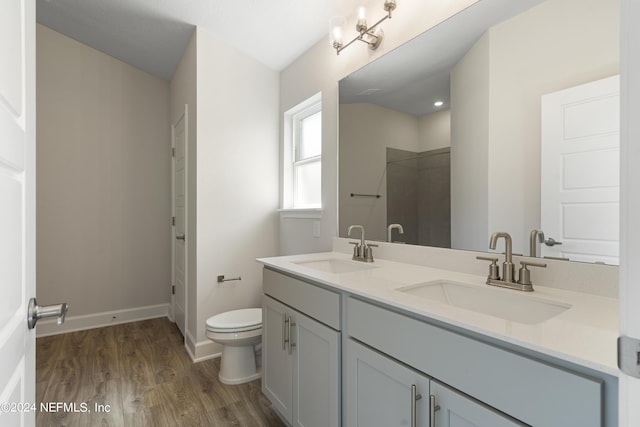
<point>293,119</point>
<point>296,163</point>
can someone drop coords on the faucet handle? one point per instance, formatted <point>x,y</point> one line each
<point>356,249</point>
<point>524,274</point>
<point>368,252</point>
<point>494,270</point>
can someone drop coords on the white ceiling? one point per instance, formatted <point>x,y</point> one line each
<point>152,34</point>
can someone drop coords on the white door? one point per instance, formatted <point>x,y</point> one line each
<point>580,188</point>
<point>17,214</point>
<point>179,251</point>
<point>629,386</point>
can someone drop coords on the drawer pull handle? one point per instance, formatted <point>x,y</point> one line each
<point>291,343</point>
<point>432,410</point>
<point>285,332</point>
<point>415,396</point>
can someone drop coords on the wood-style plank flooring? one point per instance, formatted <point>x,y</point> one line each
<point>143,372</point>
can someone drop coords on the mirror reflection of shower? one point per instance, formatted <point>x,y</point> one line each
<point>419,195</point>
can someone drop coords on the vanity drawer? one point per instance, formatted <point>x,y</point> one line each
<point>312,300</point>
<point>527,389</point>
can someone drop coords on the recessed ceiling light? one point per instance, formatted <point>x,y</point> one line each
<point>438,104</point>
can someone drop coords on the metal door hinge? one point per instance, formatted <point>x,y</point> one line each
<point>173,290</point>
<point>629,356</point>
<point>173,221</point>
<point>173,152</point>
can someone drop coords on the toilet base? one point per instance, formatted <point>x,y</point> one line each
<point>238,365</point>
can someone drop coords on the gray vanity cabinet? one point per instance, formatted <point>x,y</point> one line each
<point>526,389</point>
<point>456,409</point>
<point>301,355</point>
<point>380,391</point>
<point>277,363</point>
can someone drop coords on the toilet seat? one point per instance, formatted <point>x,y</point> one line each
<point>247,319</point>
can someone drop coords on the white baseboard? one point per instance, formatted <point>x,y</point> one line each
<point>98,320</point>
<point>190,345</point>
<point>206,350</point>
<point>203,350</point>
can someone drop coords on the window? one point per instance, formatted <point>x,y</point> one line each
<point>303,156</point>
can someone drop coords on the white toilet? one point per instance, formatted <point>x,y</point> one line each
<point>239,331</point>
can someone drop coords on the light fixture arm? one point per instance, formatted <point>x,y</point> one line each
<point>369,32</point>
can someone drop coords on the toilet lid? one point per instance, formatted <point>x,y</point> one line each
<point>236,320</point>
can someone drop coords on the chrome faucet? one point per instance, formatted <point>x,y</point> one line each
<point>390,230</point>
<point>508,280</point>
<point>361,251</point>
<point>507,265</point>
<point>533,242</point>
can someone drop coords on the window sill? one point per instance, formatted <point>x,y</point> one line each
<point>301,213</point>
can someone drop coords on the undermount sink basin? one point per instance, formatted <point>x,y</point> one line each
<point>508,305</point>
<point>333,265</point>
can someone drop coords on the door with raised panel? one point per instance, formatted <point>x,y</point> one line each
<point>381,392</point>
<point>277,361</point>
<point>17,214</point>
<point>316,373</point>
<point>457,410</point>
<point>580,179</point>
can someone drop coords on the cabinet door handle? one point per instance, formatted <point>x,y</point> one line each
<point>291,343</point>
<point>415,396</point>
<point>285,332</point>
<point>432,410</point>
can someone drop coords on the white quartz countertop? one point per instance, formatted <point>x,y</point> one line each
<point>585,334</point>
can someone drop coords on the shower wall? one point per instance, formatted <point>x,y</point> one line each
<point>419,195</point>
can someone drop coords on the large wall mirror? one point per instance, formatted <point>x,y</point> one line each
<point>525,139</point>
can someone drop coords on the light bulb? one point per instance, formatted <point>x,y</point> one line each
<point>335,31</point>
<point>361,12</point>
<point>361,26</point>
<point>337,34</point>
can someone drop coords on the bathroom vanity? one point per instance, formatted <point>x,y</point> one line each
<point>391,343</point>
<point>301,350</point>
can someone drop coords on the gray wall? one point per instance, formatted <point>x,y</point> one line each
<point>103,188</point>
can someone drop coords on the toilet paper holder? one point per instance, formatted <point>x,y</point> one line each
<point>222,279</point>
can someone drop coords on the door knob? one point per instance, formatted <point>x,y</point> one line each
<point>180,237</point>
<point>552,242</point>
<point>39,312</point>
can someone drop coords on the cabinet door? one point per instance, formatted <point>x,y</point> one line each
<point>380,391</point>
<point>458,410</point>
<point>277,367</point>
<point>316,373</point>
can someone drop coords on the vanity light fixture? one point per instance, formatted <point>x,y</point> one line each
<point>372,35</point>
<point>438,104</point>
